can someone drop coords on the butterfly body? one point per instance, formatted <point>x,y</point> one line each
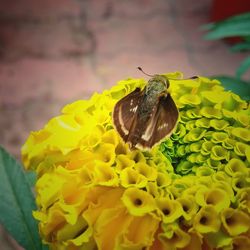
<point>144,117</point>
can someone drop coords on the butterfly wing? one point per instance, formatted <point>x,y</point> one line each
<point>162,123</point>
<point>125,111</point>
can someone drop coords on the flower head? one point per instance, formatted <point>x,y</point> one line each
<point>189,192</point>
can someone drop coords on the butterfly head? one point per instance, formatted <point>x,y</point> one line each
<point>157,79</point>
<point>163,80</point>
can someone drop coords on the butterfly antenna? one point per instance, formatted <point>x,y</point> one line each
<point>143,71</point>
<point>193,77</point>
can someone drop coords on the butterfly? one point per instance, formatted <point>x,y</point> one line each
<point>145,117</point>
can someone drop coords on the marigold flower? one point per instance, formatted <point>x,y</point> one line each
<point>191,191</point>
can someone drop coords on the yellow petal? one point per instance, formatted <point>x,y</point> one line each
<point>207,220</point>
<point>242,133</point>
<point>189,206</point>
<point>235,221</point>
<point>138,202</point>
<point>241,242</point>
<point>176,238</point>
<point>130,177</point>
<point>170,210</point>
<point>216,197</point>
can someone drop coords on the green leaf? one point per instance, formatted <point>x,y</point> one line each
<point>240,47</point>
<point>239,87</point>
<point>17,203</point>
<point>234,26</point>
<point>31,178</point>
<point>244,66</point>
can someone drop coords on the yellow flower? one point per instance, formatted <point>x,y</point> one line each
<point>207,220</point>
<point>216,197</point>
<point>189,206</point>
<point>170,210</point>
<point>235,221</point>
<point>174,237</point>
<point>189,192</point>
<point>138,202</point>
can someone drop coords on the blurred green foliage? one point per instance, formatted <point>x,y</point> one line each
<point>235,26</point>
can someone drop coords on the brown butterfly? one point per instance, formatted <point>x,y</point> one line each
<point>145,117</point>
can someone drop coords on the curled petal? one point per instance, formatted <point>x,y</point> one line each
<point>78,234</point>
<point>49,186</point>
<point>207,147</point>
<point>130,177</point>
<point>170,210</point>
<point>218,124</point>
<point>203,122</point>
<point>228,143</point>
<point>87,176</point>
<point>239,182</point>
<point>54,220</point>
<point>242,133</point>
<point>196,146</point>
<point>105,153</point>
<point>138,202</point>
<point>105,175</point>
<point>204,171</point>
<point>233,102</point>
<point>207,220</point>
<point>210,112</point>
<point>194,113</point>
<point>181,151</point>
<point>113,221</point>
<point>235,166</point>
<point>153,189</point>
<point>190,125</point>
<point>118,91</point>
<point>180,131</point>
<point>175,237</point>
<point>214,164</point>
<point>195,242</point>
<point>220,176</point>
<point>189,99</point>
<point>102,116</point>
<point>243,199</point>
<point>122,148</point>
<point>243,119</point>
<point>235,221</point>
<point>216,197</point>
<point>111,137</point>
<point>219,153</point>
<point>184,167</point>
<point>241,242</point>
<point>219,239</point>
<point>226,186</point>
<point>241,149</point>
<point>189,206</point>
<point>123,161</point>
<point>163,180</point>
<point>139,234</point>
<point>149,172</point>
<point>194,134</point>
<point>218,137</point>
<point>99,199</point>
<point>137,156</point>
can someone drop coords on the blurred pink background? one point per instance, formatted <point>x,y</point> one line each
<point>55,52</point>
